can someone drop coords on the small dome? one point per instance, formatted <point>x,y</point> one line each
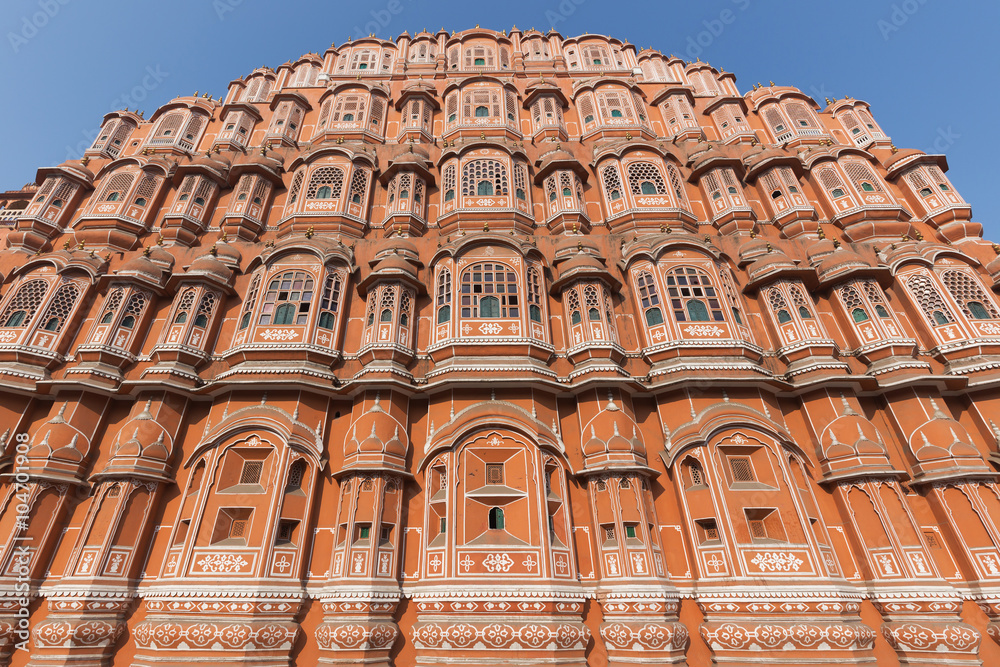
<point>753,248</point>
<point>209,266</point>
<point>142,267</point>
<point>227,254</point>
<point>817,251</point>
<point>162,257</point>
<point>770,262</point>
<point>218,163</point>
<point>394,264</point>
<point>840,260</point>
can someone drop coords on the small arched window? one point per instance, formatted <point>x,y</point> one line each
<point>26,301</point>
<point>970,296</point>
<point>482,112</point>
<point>444,297</point>
<point>978,310</point>
<point>650,299</point>
<point>296,473</point>
<point>330,302</point>
<point>930,300</point>
<point>859,315</point>
<point>496,518</point>
<point>484,188</point>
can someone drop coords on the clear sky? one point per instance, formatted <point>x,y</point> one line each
<point>927,67</point>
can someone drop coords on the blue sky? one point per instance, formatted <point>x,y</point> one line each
<point>927,67</point>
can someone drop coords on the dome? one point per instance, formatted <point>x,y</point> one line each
<point>817,251</point>
<point>211,267</point>
<point>227,254</point>
<point>771,261</point>
<point>145,270</point>
<point>161,256</point>
<point>841,260</point>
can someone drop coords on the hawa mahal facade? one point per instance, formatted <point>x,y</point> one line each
<point>498,348</point>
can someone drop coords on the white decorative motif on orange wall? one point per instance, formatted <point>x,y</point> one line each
<point>777,561</point>
<point>498,563</point>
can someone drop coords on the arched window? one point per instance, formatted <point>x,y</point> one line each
<point>496,518</point>
<point>248,305</point>
<point>482,111</point>
<point>296,474</point>
<point>649,299</point>
<point>692,296</point>
<point>184,306</point>
<point>969,295</point>
<point>853,300</point>
<point>534,295</point>
<point>645,179</point>
<point>444,297</point>
<point>287,299</point>
<point>22,307</point>
<point>489,290</point>
<point>573,302</point>
<point>330,302</point>
<point>930,300</point>
<point>448,183</point>
<point>612,182</point>
<point>326,183</point>
<point>695,475</point>
<point>484,178</point>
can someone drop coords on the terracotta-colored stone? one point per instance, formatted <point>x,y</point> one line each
<point>498,348</point>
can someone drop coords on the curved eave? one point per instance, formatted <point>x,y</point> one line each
<point>289,96</point>
<point>725,99</point>
<point>894,169</point>
<point>327,150</point>
<point>429,95</point>
<point>81,176</point>
<point>458,151</point>
<point>545,167</point>
<point>396,166</point>
<point>241,106</point>
<point>584,273</point>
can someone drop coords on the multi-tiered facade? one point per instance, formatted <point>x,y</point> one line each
<point>499,348</point>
